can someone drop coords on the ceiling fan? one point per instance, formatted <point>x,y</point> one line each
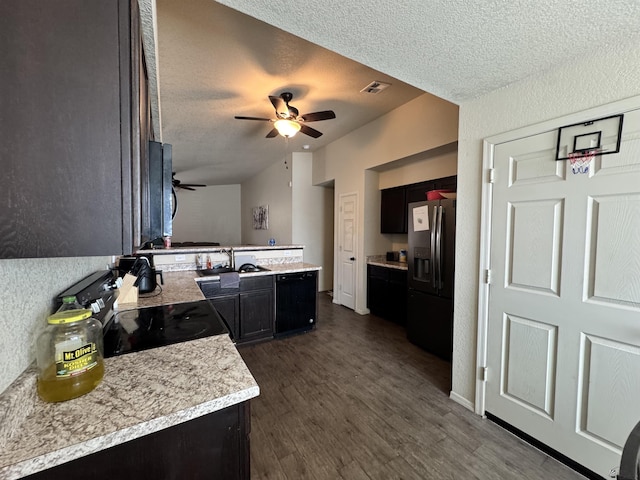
<point>175,183</point>
<point>288,121</point>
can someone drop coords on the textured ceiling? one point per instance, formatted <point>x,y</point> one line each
<point>215,63</point>
<point>455,49</point>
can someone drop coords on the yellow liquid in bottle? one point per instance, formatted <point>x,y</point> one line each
<point>52,388</point>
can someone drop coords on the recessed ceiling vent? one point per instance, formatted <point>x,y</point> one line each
<point>375,87</point>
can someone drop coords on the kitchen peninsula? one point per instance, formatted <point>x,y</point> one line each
<point>161,391</point>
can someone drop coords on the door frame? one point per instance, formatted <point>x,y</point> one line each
<point>489,144</point>
<point>338,298</point>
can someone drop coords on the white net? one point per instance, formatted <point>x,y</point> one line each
<point>581,161</point>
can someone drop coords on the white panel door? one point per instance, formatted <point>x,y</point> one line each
<point>563,340</point>
<point>347,242</point>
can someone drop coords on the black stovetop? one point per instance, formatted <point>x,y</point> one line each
<point>152,327</point>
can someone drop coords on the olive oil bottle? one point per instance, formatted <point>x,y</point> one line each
<point>69,355</point>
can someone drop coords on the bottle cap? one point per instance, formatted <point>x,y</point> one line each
<point>68,316</point>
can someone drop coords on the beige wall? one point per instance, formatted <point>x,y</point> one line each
<point>28,289</point>
<point>208,214</point>
<point>602,77</point>
<point>310,205</point>
<point>423,167</point>
<point>421,125</point>
<point>270,187</point>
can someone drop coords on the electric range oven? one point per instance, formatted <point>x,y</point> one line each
<point>151,327</point>
<point>142,328</point>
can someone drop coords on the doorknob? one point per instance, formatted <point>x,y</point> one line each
<point>353,259</point>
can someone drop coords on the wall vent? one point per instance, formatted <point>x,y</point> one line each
<point>375,87</point>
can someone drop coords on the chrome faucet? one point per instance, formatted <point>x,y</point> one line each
<point>229,253</point>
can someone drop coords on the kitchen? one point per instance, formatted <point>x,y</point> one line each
<point>553,93</point>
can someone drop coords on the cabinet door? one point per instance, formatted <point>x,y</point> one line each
<point>256,315</point>
<point>377,290</point>
<point>393,208</point>
<point>397,293</point>
<point>417,192</point>
<point>447,183</point>
<point>66,128</point>
<point>216,445</point>
<point>228,307</point>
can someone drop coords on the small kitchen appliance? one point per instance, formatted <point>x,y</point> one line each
<point>142,267</point>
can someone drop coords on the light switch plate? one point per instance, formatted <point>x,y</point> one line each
<point>181,258</point>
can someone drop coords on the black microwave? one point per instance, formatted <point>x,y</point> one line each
<point>160,201</point>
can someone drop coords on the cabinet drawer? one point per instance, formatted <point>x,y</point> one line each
<point>212,289</point>
<point>256,283</point>
<point>376,271</point>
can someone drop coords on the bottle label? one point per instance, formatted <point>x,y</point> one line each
<point>76,361</point>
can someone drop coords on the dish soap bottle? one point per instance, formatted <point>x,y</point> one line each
<point>69,355</point>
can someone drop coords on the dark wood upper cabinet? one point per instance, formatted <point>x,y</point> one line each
<point>73,132</point>
<point>393,205</point>
<point>394,201</point>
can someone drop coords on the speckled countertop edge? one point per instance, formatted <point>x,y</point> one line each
<point>214,249</point>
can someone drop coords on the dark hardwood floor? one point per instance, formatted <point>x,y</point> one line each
<point>355,400</point>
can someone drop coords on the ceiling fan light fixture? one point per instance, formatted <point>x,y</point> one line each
<point>287,128</point>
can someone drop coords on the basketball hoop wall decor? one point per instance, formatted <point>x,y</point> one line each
<point>603,135</point>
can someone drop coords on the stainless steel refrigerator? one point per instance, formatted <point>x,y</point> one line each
<point>430,259</point>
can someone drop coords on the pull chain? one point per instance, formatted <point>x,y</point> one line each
<point>286,145</point>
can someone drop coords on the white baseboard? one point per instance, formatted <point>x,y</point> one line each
<point>462,401</point>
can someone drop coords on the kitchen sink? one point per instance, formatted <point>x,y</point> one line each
<point>207,272</point>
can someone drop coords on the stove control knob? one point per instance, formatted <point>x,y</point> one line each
<point>95,306</point>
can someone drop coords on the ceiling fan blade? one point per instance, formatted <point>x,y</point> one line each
<point>272,133</point>
<point>307,130</point>
<point>317,116</point>
<point>192,185</point>
<point>187,188</point>
<point>253,118</point>
<point>282,110</point>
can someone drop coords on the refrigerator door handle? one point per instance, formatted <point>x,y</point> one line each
<point>434,261</point>
<point>439,247</point>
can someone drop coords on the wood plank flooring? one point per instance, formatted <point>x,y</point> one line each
<point>355,400</point>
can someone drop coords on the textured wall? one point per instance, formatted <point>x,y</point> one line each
<point>29,287</point>
<point>309,223</point>
<point>210,214</point>
<point>605,76</point>
<point>270,187</point>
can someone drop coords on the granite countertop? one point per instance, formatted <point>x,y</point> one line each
<point>272,270</point>
<point>214,249</point>
<point>381,261</point>
<point>139,394</point>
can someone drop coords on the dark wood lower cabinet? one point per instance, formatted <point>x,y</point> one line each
<point>256,313</point>
<point>228,306</point>
<point>387,293</point>
<point>214,446</point>
<point>248,310</point>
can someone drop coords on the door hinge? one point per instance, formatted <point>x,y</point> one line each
<point>483,373</point>
<point>491,176</point>
<point>487,276</point>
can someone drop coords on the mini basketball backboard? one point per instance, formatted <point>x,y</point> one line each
<point>602,135</point>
